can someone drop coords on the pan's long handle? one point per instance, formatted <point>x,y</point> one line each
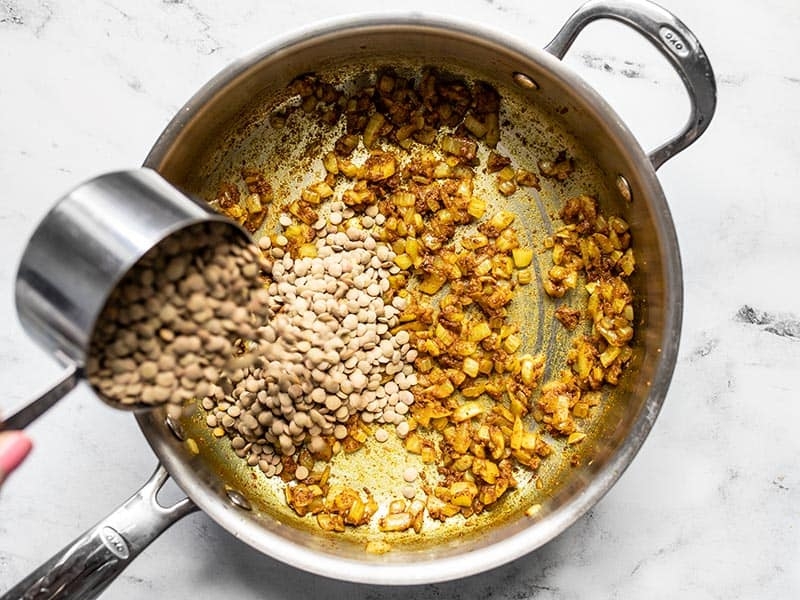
<point>674,40</point>
<point>36,408</point>
<point>88,565</point>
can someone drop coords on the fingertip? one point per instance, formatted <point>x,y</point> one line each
<point>14,447</point>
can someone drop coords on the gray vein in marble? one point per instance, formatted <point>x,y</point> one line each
<point>786,326</point>
<point>738,79</point>
<point>497,6</point>
<point>704,349</point>
<point>35,18</point>
<point>506,10</point>
<point>670,548</point>
<point>611,64</point>
<point>135,84</point>
<point>212,45</point>
<point>140,582</point>
<point>117,9</point>
<point>724,487</point>
<point>9,14</point>
<point>734,80</point>
<point>778,483</point>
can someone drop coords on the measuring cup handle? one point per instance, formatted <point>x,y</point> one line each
<point>36,408</point>
<point>89,564</point>
<point>670,37</point>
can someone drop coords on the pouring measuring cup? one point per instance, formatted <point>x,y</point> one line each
<point>79,253</point>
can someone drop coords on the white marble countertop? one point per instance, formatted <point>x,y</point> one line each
<point>710,508</point>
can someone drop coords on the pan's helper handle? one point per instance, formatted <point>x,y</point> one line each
<point>44,401</point>
<point>89,564</point>
<point>674,40</point>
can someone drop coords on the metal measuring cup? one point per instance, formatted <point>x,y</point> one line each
<point>79,253</point>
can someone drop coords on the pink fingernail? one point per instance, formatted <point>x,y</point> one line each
<point>13,448</point>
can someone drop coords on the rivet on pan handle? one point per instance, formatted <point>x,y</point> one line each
<point>89,564</point>
<point>674,40</point>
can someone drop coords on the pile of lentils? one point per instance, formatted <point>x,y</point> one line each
<point>284,353</point>
<point>178,319</point>
<point>326,353</point>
